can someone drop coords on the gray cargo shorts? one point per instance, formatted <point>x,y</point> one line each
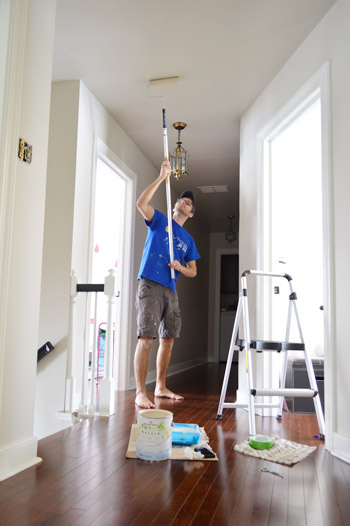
<point>157,311</point>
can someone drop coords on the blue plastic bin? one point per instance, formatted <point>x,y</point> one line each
<point>185,434</point>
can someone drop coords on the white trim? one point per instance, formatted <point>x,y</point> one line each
<point>173,369</point>
<point>317,86</point>
<point>122,359</point>
<point>8,152</point>
<point>18,456</point>
<point>215,356</point>
<point>341,447</point>
<point>328,263</point>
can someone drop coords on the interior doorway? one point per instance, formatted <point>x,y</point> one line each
<point>299,203</point>
<point>107,235</point>
<point>108,222</point>
<point>294,160</point>
<point>111,247</point>
<point>225,299</point>
<point>229,294</point>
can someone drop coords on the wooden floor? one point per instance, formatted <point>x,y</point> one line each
<point>85,479</point>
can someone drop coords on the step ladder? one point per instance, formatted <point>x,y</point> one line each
<point>249,345</point>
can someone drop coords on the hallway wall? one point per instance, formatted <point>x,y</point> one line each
<point>57,256</point>
<point>25,113</point>
<point>330,41</point>
<point>77,119</point>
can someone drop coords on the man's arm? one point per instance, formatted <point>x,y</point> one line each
<point>142,203</point>
<point>189,270</point>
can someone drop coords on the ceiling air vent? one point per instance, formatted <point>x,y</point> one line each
<point>216,189</point>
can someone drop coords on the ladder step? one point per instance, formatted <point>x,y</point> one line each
<point>265,345</point>
<point>293,393</point>
<point>234,405</point>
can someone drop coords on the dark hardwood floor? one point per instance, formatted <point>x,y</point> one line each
<point>85,479</point>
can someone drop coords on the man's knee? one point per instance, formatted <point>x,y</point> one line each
<point>167,343</point>
<point>144,343</point>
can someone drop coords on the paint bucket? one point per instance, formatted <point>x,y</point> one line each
<point>154,434</point>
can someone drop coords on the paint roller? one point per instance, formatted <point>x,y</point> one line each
<point>161,83</point>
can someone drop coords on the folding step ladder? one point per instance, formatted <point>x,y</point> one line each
<point>248,345</point>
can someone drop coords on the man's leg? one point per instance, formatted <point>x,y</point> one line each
<point>141,367</point>
<point>163,360</point>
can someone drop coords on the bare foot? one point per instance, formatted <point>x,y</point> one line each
<point>165,393</point>
<point>142,401</point>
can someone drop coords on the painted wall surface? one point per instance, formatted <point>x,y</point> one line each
<point>330,41</point>
<point>77,119</point>
<point>57,255</point>
<point>192,346</point>
<point>34,24</point>
<point>4,36</point>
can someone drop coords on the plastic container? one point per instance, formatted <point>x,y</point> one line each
<point>185,434</point>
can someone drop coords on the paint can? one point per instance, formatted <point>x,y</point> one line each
<point>154,434</point>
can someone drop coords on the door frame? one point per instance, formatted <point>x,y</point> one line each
<point>319,83</point>
<point>123,336</point>
<point>219,252</point>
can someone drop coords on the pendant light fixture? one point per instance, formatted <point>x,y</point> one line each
<point>179,157</point>
<point>230,235</point>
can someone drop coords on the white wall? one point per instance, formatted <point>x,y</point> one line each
<point>25,114</point>
<point>330,41</point>
<point>77,119</point>
<point>57,255</point>
<point>4,40</point>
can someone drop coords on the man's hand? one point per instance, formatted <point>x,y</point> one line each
<point>176,265</point>
<point>165,170</point>
<point>189,270</point>
<point>142,203</point>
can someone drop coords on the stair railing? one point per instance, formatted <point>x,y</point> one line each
<point>87,405</point>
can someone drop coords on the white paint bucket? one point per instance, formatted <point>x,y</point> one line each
<point>153,435</point>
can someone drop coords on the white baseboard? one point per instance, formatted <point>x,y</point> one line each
<point>241,396</point>
<point>66,416</point>
<point>18,456</point>
<point>173,369</point>
<point>341,447</point>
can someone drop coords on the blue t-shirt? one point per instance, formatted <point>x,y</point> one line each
<point>156,258</point>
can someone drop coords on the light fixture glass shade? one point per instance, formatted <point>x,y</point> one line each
<point>179,162</point>
<point>230,236</point>
<point>179,157</point>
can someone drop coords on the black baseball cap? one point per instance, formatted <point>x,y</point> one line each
<point>190,195</point>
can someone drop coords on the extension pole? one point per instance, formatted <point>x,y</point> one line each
<point>168,200</point>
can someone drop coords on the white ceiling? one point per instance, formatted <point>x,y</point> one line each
<point>225,52</point>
